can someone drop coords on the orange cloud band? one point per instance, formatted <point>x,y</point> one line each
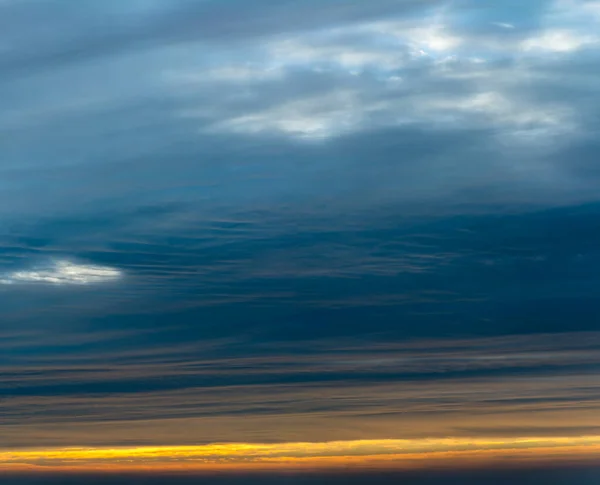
<point>387,454</point>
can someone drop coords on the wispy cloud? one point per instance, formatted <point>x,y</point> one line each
<point>419,389</point>
<point>390,454</point>
<point>62,272</point>
<point>328,220</point>
<point>559,41</point>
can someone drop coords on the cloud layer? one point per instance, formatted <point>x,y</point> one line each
<point>505,388</point>
<point>337,220</point>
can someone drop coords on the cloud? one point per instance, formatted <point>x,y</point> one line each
<point>559,41</point>
<point>504,25</point>
<point>383,74</point>
<point>566,27</point>
<point>312,118</point>
<point>348,71</point>
<point>278,175</point>
<point>74,32</point>
<point>345,388</point>
<point>365,454</point>
<point>63,272</point>
<point>430,38</point>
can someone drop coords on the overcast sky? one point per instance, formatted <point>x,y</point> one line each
<point>281,221</point>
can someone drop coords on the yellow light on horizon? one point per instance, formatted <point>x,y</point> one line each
<point>359,453</point>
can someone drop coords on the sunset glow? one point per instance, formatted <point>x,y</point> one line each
<point>356,240</point>
<point>401,454</point>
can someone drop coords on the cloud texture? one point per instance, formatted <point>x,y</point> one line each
<point>282,221</point>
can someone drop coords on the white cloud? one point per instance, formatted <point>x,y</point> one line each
<point>322,117</point>
<point>512,120</point>
<point>395,72</point>
<point>506,111</point>
<point>64,273</point>
<point>335,50</point>
<point>504,25</point>
<point>311,118</point>
<point>567,26</point>
<point>394,101</point>
<point>431,36</point>
<point>434,39</point>
<point>558,41</point>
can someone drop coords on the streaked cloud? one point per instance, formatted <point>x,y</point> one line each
<point>318,117</point>
<point>504,25</point>
<point>63,272</point>
<point>394,74</point>
<point>391,454</point>
<point>559,41</point>
<point>93,393</point>
<point>329,221</point>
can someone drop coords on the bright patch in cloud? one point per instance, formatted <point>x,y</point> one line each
<point>509,112</point>
<point>435,39</point>
<point>63,273</point>
<point>313,118</point>
<point>432,37</point>
<point>398,72</point>
<point>558,41</point>
<point>504,25</point>
<point>399,453</point>
<point>332,52</point>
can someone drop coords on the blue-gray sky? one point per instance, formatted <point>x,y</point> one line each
<point>298,220</point>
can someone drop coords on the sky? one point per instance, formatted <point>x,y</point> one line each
<point>273,235</point>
